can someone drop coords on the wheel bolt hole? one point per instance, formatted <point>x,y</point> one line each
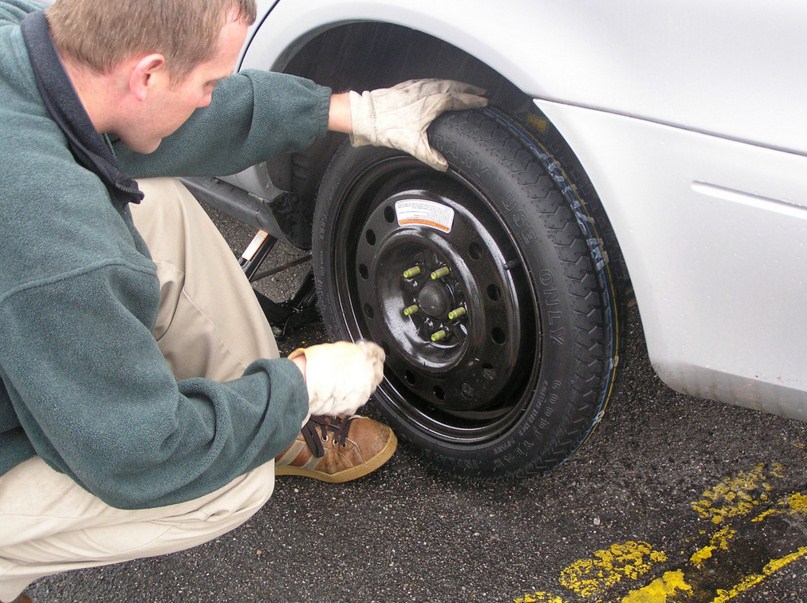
<point>370,237</point>
<point>439,393</point>
<point>364,272</point>
<point>475,251</point>
<point>494,293</point>
<point>410,378</point>
<point>498,336</point>
<point>488,372</point>
<point>389,214</point>
<point>368,310</point>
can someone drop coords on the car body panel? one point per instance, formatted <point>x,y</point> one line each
<point>710,66</point>
<point>713,232</point>
<point>688,118</point>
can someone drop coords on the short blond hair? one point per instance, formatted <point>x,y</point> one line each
<point>103,33</point>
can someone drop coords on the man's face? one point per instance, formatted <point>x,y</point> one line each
<point>170,104</point>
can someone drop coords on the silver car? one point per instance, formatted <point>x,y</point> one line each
<point>633,152</point>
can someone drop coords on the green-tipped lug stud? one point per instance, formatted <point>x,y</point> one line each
<point>411,310</point>
<point>440,273</point>
<point>439,335</point>
<point>411,272</point>
<point>457,313</point>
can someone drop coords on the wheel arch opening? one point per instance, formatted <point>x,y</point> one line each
<point>368,55</point>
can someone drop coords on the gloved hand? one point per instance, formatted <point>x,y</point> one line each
<point>341,376</point>
<point>398,117</point>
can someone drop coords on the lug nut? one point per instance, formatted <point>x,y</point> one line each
<point>411,272</point>
<point>439,335</point>
<point>457,313</point>
<point>440,273</point>
<point>411,310</point>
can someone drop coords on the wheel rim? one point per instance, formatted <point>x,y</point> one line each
<point>429,270</point>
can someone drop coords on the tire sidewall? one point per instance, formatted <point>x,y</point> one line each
<point>559,267</point>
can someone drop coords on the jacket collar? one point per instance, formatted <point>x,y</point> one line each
<point>91,150</point>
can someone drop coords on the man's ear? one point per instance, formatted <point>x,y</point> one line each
<point>148,72</point>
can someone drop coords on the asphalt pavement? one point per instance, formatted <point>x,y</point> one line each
<point>673,499</point>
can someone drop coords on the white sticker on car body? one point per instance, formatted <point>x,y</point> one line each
<point>420,212</point>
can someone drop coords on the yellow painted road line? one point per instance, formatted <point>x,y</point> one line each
<point>590,578</point>
<point>750,581</point>
<point>756,536</point>
<point>738,495</point>
<point>661,589</point>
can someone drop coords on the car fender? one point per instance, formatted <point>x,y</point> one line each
<point>713,232</point>
<point>692,64</point>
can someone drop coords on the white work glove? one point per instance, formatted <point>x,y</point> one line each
<point>341,376</point>
<point>398,117</point>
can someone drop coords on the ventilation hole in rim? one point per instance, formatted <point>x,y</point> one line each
<point>370,237</point>
<point>389,214</point>
<point>410,378</point>
<point>368,310</point>
<point>475,251</point>
<point>439,393</point>
<point>498,336</point>
<point>364,272</point>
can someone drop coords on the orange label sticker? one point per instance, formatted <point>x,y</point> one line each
<point>418,212</point>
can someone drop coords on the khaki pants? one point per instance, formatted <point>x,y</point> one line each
<point>210,325</point>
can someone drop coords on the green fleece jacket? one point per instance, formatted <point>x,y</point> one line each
<point>84,385</point>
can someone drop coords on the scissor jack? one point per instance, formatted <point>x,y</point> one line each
<point>259,212</point>
<point>287,315</point>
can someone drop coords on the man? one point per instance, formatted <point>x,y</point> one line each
<point>142,401</point>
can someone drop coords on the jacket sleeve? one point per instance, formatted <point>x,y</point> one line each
<point>99,403</point>
<point>254,115</point>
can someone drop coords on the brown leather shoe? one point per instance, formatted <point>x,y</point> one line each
<point>23,598</point>
<point>336,450</point>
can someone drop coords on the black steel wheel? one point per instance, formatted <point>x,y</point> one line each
<point>483,286</point>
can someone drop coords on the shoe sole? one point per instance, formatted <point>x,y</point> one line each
<point>381,457</point>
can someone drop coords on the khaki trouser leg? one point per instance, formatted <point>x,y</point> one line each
<point>209,324</point>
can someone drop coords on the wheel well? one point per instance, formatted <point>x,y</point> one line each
<point>364,56</point>
<point>367,55</point>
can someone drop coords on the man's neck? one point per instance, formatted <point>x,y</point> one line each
<point>96,91</point>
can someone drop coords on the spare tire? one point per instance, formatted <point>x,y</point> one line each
<point>485,286</point>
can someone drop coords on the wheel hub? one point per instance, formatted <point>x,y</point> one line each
<point>435,300</point>
<point>442,304</point>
